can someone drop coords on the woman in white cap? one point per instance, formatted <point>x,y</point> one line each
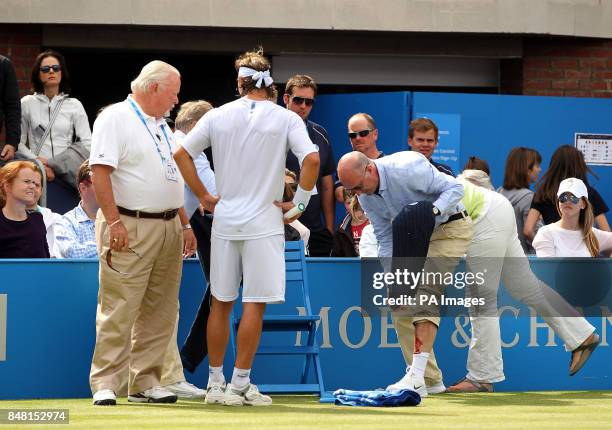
<point>573,235</point>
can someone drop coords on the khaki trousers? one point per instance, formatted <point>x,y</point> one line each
<point>448,243</point>
<point>137,303</point>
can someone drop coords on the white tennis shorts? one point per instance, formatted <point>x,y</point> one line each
<point>259,263</point>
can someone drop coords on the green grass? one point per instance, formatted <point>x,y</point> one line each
<point>498,411</point>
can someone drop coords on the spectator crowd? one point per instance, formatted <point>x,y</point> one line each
<point>150,196</point>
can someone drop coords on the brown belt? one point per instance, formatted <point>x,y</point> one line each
<point>165,215</point>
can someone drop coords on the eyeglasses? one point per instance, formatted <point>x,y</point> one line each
<point>569,196</point>
<point>302,100</point>
<point>46,69</point>
<point>350,192</point>
<point>361,133</point>
<point>110,266</point>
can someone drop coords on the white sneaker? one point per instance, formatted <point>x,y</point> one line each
<point>104,398</point>
<point>251,396</point>
<point>215,393</point>
<point>436,388</point>
<point>185,390</point>
<point>153,395</point>
<point>410,382</point>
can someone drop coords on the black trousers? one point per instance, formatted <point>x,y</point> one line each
<point>320,243</point>
<point>411,229</point>
<point>195,349</point>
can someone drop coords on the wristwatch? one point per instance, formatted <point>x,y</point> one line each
<point>187,227</point>
<point>436,211</point>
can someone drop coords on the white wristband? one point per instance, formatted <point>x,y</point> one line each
<point>300,200</point>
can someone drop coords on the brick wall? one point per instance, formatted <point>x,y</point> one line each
<point>567,67</point>
<point>20,43</point>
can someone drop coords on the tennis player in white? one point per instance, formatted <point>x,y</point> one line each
<point>250,138</point>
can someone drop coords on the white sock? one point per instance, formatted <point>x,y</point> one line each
<point>241,378</point>
<point>215,375</point>
<point>419,363</point>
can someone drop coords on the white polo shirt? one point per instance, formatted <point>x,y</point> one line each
<point>250,140</point>
<point>140,158</point>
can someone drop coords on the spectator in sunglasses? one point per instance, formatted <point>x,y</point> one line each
<point>566,162</point>
<point>299,97</point>
<point>363,135</point>
<point>573,235</point>
<point>51,121</point>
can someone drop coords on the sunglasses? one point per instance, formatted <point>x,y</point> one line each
<point>567,196</point>
<point>110,265</point>
<point>46,69</point>
<point>361,133</point>
<point>302,100</point>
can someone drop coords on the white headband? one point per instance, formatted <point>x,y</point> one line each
<point>245,72</point>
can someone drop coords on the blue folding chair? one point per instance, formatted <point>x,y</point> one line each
<point>296,278</point>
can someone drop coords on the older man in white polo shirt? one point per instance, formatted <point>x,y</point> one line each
<point>141,232</point>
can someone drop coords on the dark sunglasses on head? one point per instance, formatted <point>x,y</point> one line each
<point>302,100</point>
<point>46,69</point>
<point>361,133</point>
<point>568,196</point>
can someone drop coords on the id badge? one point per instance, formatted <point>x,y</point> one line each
<point>171,171</point>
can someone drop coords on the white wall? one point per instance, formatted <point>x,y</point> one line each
<point>591,18</point>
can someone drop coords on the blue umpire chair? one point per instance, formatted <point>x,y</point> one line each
<point>297,287</point>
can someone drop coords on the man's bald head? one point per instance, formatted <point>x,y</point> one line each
<point>358,173</point>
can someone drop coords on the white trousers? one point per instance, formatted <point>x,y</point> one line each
<point>496,248</point>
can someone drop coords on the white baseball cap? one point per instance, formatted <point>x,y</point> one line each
<point>574,186</point>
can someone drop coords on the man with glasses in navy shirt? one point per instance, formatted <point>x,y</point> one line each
<point>299,97</point>
<point>363,135</point>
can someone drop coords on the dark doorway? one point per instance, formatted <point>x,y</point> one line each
<point>102,77</point>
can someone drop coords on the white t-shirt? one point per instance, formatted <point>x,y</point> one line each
<point>554,241</point>
<point>50,219</point>
<point>250,140</point>
<point>140,179</point>
<point>205,173</point>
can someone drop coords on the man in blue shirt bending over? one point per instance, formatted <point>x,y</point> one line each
<point>386,188</point>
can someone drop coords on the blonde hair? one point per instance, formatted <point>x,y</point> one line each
<point>154,72</point>
<point>190,113</point>
<point>354,206</point>
<point>587,220</point>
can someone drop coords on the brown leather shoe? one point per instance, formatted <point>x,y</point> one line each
<point>581,354</point>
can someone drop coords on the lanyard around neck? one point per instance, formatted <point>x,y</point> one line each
<point>144,122</point>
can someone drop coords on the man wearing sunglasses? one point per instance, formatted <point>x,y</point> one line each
<point>363,135</point>
<point>299,97</point>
